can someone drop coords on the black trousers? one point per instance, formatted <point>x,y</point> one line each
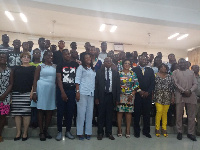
<point>105,109</point>
<point>142,106</point>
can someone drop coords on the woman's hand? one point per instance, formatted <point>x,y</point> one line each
<point>117,103</point>
<point>34,97</point>
<point>130,98</point>
<point>77,96</point>
<point>172,100</point>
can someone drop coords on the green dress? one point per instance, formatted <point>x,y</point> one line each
<point>128,83</point>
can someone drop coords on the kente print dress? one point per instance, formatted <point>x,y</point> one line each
<point>128,83</point>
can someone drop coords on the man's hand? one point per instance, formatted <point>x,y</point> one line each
<point>77,96</point>
<point>97,101</point>
<point>64,97</point>
<point>146,94</point>
<point>141,93</point>
<point>187,93</point>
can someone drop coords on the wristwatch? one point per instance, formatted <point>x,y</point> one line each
<point>77,91</point>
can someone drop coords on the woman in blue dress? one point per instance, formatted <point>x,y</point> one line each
<point>44,89</point>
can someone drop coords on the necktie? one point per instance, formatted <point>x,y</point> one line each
<point>143,71</point>
<point>107,82</point>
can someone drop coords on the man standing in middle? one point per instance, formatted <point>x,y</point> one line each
<point>65,93</point>
<point>107,92</point>
<point>143,98</point>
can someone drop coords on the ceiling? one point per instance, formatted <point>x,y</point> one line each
<point>86,28</point>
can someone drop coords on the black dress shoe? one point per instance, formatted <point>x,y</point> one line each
<point>192,137</point>
<point>179,136</point>
<point>99,137</point>
<point>137,135</point>
<point>147,135</point>
<point>110,137</point>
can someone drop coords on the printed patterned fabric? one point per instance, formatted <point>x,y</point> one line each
<point>4,83</point>
<point>128,83</point>
<point>163,90</point>
<point>4,109</point>
<point>119,65</point>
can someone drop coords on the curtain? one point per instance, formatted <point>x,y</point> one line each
<point>194,56</point>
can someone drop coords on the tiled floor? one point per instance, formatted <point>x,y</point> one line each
<point>142,143</point>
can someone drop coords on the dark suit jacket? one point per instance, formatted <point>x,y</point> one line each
<point>100,85</point>
<point>146,81</point>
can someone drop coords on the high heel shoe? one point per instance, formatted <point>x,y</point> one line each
<point>157,133</point>
<point>26,138</point>
<point>164,132</point>
<point>119,134</point>
<point>42,137</point>
<point>17,138</point>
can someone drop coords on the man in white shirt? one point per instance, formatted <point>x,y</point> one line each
<point>103,53</point>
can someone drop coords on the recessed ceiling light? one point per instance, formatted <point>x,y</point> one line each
<point>182,37</point>
<point>173,36</point>
<point>9,15</point>
<point>23,17</point>
<point>113,28</point>
<point>102,27</point>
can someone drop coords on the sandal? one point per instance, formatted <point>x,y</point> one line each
<point>119,134</point>
<point>157,133</point>
<point>42,137</point>
<point>128,135</point>
<point>164,132</point>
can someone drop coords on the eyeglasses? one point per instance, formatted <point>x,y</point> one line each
<point>27,57</point>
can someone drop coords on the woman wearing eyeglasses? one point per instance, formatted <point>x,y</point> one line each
<point>20,107</point>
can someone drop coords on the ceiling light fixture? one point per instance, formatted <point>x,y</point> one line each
<point>113,28</point>
<point>23,17</point>
<point>173,36</point>
<point>102,27</point>
<point>9,15</point>
<point>182,37</point>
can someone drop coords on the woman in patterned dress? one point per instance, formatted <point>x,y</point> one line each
<point>129,85</point>
<point>163,95</point>
<point>6,82</point>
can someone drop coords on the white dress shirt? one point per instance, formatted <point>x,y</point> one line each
<point>110,77</point>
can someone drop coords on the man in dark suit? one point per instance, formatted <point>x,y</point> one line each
<point>143,99</point>
<point>107,92</point>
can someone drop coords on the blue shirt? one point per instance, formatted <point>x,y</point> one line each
<point>86,80</point>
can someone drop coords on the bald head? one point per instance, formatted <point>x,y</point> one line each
<point>107,62</point>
